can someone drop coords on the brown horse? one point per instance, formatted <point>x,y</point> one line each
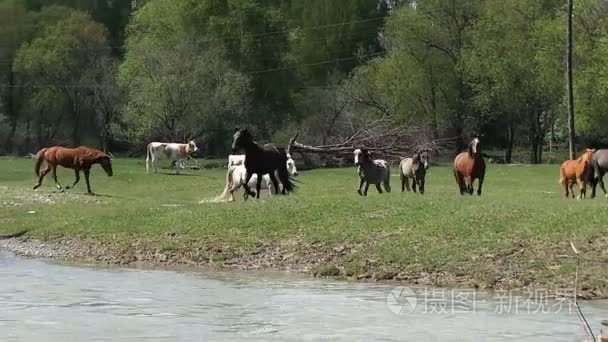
<point>577,171</point>
<point>469,166</point>
<point>80,158</point>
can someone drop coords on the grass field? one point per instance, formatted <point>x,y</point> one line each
<point>516,235</point>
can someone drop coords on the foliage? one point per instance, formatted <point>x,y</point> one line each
<point>175,68</point>
<point>179,85</point>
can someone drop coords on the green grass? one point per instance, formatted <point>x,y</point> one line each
<point>515,235</point>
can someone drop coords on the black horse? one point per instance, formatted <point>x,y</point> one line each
<point>262,160</point>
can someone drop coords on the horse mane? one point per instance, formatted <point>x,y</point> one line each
<point>93,154</point>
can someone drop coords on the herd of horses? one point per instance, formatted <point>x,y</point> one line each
<point>270,166</point>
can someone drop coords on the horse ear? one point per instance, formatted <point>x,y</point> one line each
<point>236,129</point>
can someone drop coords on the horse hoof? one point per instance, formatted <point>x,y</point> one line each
<point>359,192</point>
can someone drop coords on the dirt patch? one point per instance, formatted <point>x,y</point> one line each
<point>16,198</point>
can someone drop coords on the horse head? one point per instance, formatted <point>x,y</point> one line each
<point>475,147</point>
<point>240,139</point>
<point>192,148</point>
<point>106,163</point>
<point>361,155</point>
<point>588,155</point>
<point>291,166</point>
<point>425,159</point>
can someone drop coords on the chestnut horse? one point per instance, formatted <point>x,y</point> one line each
<point>577,171</point>
<point>469,166</point>
<point>79,158</point>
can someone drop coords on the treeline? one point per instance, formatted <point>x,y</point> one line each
<point>119,73</point>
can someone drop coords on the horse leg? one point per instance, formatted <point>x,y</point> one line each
<point>469,184</point>
<point>414,185</point>
<point>480,185</point>
<point>77,174</point>
<point>582,187</point>
<point>86,178</point>
<point>403,182</point>
<point>42,174</point>
<point>360,186</point>
<point>275,183</point>
<point>600,180</point>
<point>57,184</point>
<point>459,181</point>
<point>366,189</point>
<point>571,185</point>
<point>387,185</point>
<point>153,162</point>
<point>378,188</point>
<point>421,186</point>
<point>258,186</point>
<point>248,176</point>
<point>407,184</point>
<point>177,165</point>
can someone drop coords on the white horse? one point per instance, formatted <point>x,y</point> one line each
<point>235,176</point>
<point>173,151</point>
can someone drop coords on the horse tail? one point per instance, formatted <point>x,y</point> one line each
<point>228,182</point>
<point>562,174</point>
<point>39,158</point>
<point>283,173</point>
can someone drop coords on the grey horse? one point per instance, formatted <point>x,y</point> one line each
<point>599,162</point>
<point>372,172</point>
<point>415,169</point>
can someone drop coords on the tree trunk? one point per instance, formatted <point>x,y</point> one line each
<point>434,125</point>
<point>539,154</point>
<point>510,142</point>
<point>11,135</point>
<point>571,132</point>
<point>75,120</point>
<point>28,136</point>
<point>533,150</point>
<point>11,112</point>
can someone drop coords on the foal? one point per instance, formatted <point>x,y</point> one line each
<point>576,171</point>
<point>414,168</point>
<point>372,172</point>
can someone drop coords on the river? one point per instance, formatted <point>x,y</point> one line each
<point>47,301</point>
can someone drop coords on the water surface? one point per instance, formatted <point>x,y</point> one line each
<point>45,301</point>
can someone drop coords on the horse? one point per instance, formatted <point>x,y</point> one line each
<point>235,178</point>
<point>174,151</point>
<point>599,162</point>
<point>577,171</point>
<point>79,158</point>
<point>262,160</point>
<point>468,166</point>
<point>415,169</point>
<point>371,171</point>
<point>236,159</point>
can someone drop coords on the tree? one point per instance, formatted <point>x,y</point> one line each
<point>333,31</point>
<point>510,67</point>
<point>60,59</point>
<point>571,131</point>
<point>430,36</point>
<point>107,97</point>
<point>13,31</point>
<point>176,92</point>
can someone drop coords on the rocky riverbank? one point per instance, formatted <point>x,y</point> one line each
<point>293,255</point>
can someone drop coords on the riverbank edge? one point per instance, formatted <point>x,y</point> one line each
<point>316,262</point>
